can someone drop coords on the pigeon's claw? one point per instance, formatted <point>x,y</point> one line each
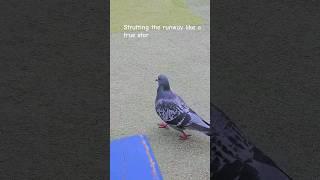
<point>184,136</point>
<point>163,125</point>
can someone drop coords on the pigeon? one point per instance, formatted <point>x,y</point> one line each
<point>174,111</point>
<point>233,157</point>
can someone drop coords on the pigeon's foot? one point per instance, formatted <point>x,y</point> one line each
<point>163,125</point>
<point>184,136</point>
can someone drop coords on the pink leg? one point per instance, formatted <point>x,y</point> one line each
<point>163,125</point>
<point>184,136</point>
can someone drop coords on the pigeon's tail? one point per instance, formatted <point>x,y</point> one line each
<point>208,131</point>
<point>198,127</point>
<point>205,122</point>
<point>197,123</point>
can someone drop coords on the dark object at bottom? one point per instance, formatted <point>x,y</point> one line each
<point>233,157</point>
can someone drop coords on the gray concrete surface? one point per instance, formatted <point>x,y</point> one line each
<point>135,64</point>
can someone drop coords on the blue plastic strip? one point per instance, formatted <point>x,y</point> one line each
<point>132,159</point>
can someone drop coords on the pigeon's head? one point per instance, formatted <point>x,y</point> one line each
<point>163,82</point>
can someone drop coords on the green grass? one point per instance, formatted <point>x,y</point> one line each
<point>150,12</point>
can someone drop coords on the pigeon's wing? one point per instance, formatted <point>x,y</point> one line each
<point>175,112</point>
<point>195,117</point>
<point>169,109</point>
